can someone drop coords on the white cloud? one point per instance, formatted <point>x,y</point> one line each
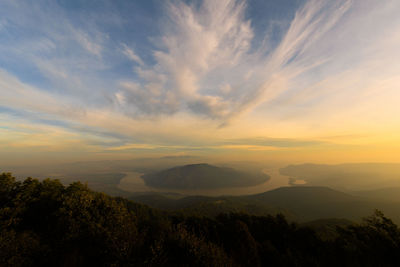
<point>337,61</point>
<point>48,41</point>
<point>88,43</point>
<point>130,53</point>
<point>18,95</point>
<point>196,42</point>
<point>207,66</point>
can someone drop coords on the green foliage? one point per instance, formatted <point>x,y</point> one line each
<point>375,242</point>
<point>44,223</point>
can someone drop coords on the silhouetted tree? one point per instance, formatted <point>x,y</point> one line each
<point>44,223</point>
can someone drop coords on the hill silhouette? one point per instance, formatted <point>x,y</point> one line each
<point>202,176</point>
<point>297,203</point>
<point>44,223</point>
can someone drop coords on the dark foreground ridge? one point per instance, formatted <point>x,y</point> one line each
<point>44,223</point>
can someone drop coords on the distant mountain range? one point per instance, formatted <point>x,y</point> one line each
<point>299,203</point>
<point>203,176</point>
<point>351,176</point>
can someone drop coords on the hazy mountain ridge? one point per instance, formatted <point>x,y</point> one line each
<point>391,194</point>
<point>300,203</point>
<point>349,176</point>
<point>202,176</point>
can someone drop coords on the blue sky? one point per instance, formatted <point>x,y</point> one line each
<point>176,77</point>
<point>71,29</point>
<point>88,38</point>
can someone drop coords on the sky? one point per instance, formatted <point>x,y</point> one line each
<point>290,80</point>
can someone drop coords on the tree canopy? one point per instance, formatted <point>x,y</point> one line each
<point>44,223</point>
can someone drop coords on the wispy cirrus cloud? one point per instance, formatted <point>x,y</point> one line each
<point>130,53</point>
<point>49,47</point>
<point>332,70</point>
<point>209,67</point>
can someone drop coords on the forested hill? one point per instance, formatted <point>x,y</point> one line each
<point>297,203</point>
<point>203,176</point>
<point>44,223</point>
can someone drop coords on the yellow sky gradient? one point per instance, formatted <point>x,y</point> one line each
<point>327,91</point>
